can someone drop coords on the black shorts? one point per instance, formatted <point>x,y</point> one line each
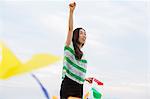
<point>70,88</point>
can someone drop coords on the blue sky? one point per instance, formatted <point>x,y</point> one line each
<point>116,46</point>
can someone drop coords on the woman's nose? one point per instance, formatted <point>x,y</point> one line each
<point>84,36</point>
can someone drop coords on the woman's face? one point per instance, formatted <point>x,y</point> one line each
<point>82,36</point>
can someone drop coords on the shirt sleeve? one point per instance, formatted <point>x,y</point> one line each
<point>71,46</point>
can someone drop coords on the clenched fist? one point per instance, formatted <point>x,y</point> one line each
<point>72,6</point>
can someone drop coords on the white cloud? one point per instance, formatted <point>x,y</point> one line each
<point>41,27</point>
<point>52,22</point>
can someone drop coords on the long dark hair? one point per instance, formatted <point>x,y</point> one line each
<point>78,52</point>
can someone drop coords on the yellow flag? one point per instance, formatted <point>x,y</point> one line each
<point>0,55</point>
<point>54,97</point>
<point>9,62</point>
<point>38,61</point>
<point>10,65</point>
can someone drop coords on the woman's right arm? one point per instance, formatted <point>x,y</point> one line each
<point>70,23</point>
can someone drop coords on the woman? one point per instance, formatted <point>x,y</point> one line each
<point>74,65</point>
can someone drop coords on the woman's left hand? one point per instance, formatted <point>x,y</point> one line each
<point>89,79</point>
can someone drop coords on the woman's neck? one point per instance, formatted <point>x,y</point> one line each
<point>80,46</point>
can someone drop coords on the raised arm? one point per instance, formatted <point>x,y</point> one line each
<point>70,23</point>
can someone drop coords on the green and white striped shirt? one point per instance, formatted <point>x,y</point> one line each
<point>73,68</point>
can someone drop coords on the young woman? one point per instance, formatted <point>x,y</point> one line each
<point>74,65</point>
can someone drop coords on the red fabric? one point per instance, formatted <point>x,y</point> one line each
<point>98,82</point>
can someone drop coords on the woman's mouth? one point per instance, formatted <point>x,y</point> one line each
<point>83,39</point>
